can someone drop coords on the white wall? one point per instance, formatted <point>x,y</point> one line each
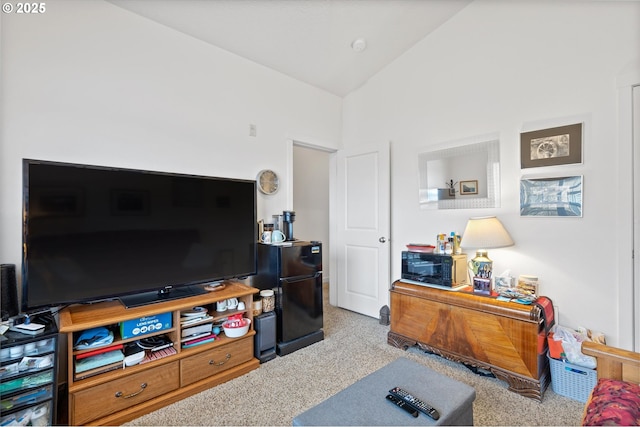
<point>88,82</point>
<point>498,67</point>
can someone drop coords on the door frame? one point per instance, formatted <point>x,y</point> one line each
<point>628,279</point>
<point>290,141</point>
<point>307,142</point>
<point>636,213</point>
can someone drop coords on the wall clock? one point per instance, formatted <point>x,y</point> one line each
<point>268,181</point>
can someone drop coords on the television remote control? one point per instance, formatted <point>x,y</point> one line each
<point>402,404</point>
<point>415,402</point>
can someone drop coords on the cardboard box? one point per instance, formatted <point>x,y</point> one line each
<point>145,325</point>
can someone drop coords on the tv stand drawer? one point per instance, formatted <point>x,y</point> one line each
<point>212,362</point>
<point>119,394</point>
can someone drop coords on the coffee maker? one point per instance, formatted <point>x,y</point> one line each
<point>288,217</point>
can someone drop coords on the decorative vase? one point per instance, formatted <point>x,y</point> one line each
<point>481,265</point>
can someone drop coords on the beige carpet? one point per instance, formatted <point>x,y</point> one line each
<point>354,346</point>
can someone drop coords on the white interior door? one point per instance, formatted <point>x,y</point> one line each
<point>361,241</point>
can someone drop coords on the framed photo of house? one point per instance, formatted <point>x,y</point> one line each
<point>551,147</point>
<point>468,187</point>
<point>551,197</point>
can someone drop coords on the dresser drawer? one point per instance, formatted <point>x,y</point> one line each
<point>202,365</point>
<point>123,393</point>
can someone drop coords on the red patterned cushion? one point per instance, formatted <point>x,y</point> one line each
<point>613,403</point>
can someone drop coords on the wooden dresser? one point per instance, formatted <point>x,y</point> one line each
<point>504,338</point>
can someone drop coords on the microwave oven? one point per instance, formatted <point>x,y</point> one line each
<point>449,271</point>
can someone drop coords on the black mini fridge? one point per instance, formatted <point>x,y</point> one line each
<point>294,271</point>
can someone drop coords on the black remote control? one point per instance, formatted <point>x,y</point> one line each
<point>415,402</point>
<point>402,404</point>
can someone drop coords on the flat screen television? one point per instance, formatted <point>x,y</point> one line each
<point>94,233</point>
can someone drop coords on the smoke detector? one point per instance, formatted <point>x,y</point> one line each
<point>358,45</point>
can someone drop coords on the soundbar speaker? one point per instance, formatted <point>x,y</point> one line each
<point>264,341</point>
<point>9,306</point>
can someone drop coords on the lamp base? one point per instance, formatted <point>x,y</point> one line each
<point>481,266</point>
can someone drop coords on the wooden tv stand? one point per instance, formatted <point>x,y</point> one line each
<point>479,331</point>
<point>123,394</point>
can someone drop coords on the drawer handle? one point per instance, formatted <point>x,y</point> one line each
<point>129,396</point>
<point>213,362</point>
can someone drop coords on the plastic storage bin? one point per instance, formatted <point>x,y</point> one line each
<point>572,381</point>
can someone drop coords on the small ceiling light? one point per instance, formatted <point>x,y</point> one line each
<point>359,45</point>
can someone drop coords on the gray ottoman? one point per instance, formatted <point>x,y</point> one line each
<point>364,402</point>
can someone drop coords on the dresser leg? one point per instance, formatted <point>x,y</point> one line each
<point>400,341</point>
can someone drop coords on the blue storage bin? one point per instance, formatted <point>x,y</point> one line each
<point>572,381</point>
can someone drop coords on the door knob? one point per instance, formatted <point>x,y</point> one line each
<point>382,240</point>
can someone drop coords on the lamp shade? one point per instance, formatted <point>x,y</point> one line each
<point>485,233</point>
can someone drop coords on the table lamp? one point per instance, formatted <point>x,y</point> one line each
<point>484,233</point>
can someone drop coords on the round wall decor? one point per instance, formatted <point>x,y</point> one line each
<point>268,181</point>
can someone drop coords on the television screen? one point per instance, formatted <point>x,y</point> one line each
<point>92,233</point>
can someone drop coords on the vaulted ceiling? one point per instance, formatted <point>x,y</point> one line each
<point>309,40</point>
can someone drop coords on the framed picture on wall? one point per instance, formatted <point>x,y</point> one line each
<point>556,197</point>
<point>550,147</point>
<point>468,187</point>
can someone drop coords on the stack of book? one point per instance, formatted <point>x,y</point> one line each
<point>158,354</point>
<point>198,340</point>
<point>196,327</point>
<point>98,361</point>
